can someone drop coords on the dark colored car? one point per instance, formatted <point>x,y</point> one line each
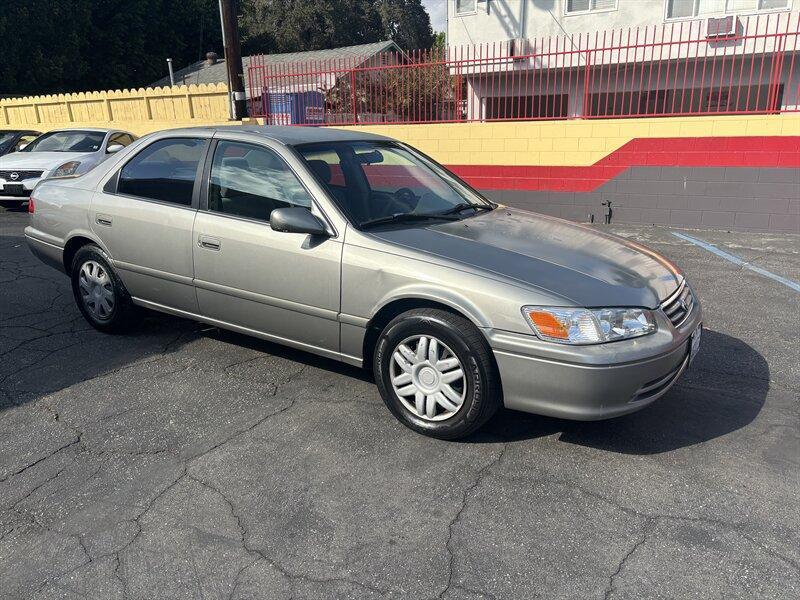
<point>13,140</point>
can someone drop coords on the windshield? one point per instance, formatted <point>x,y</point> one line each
<point>67,141</point>
<point>373,181</point>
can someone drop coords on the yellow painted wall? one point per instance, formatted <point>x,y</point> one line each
<point>572,142</point>
<point>138,111</point>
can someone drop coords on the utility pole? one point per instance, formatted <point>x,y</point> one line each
<point>228,10</point>
<point>171,73</point>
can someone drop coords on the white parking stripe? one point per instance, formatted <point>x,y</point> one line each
<point>738,261</point>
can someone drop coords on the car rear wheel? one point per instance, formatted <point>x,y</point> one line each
<point>436,373</point>
<point>99,292</point>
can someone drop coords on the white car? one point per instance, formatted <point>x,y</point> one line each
<point>58,153</point>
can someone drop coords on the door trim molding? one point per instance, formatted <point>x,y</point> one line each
<point>314,311</point>
<point>124,266</point>
<point>346,358</point>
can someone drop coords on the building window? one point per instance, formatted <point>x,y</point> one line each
<point>465,7</point>
<point>686,9</point>
<point>572,7</point>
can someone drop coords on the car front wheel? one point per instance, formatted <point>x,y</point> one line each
<point>436,373</point>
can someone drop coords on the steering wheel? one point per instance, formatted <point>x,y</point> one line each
<point>406,197</point>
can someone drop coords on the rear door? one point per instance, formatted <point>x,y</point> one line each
<point>144,215</point>
<point>285,285</point>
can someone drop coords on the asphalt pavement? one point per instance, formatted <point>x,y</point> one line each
<point>186,462</point>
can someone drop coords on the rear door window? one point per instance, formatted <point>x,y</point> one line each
<point>165,170</point>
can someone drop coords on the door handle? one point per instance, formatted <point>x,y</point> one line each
<point>209,243</point>
<point>104,220</point>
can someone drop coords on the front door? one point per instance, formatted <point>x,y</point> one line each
<point>284,285</point>
<point>144,216</point>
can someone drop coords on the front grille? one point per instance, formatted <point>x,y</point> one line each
<point>21,175</point>
<point>653,389</point>
<point>679,305</point>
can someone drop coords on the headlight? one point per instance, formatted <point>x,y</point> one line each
<point>67,169</point>
<point>588,326</point>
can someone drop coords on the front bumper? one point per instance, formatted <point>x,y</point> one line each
<point>17,191</point>
<point>594,382</point>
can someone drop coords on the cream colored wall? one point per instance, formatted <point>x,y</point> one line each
<point>138,111</point>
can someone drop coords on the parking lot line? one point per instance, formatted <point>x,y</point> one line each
<point>738,261</point>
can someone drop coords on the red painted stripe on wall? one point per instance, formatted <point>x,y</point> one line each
<point>763,152</point>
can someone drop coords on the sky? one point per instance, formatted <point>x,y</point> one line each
<point>437,9</point>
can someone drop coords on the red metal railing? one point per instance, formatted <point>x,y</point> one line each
<point>676,68</point>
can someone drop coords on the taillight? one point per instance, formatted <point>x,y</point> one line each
<point>31,205</point>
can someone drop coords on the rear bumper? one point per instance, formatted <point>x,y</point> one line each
<point>47,252</point>
<point>592,382</point>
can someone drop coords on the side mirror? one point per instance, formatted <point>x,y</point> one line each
<point>296,219</point>
<point>112,148</point>
<point>21,147</point>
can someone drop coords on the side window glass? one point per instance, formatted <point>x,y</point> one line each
<point>25,140</point>
<point>252,181</point>
<point>165,170</point>
<point>123,139</point>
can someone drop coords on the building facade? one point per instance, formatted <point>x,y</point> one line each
<point>480,21</point>
<point>574,58</point>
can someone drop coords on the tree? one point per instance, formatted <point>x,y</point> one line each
<point>299,25</point>
<point>55,46</point>
<point>407,23</point>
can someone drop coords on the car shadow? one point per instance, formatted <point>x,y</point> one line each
<point>721,392</point>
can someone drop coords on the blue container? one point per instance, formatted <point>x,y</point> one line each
<point>295,108</point>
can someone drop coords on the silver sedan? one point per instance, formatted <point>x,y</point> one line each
<point>362,249</point>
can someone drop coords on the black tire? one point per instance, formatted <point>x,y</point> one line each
<point>483,390</point>
<point>123,314</point>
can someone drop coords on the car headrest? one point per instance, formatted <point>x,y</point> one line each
<point>321,169</point>
<point>236,162</point>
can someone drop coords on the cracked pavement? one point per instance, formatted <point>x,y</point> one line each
<point>181,461</point>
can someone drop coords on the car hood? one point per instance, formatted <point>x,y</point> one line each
<point>576,262</point>
<point>39,160</point>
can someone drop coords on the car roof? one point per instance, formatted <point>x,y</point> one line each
<point>94,129</point>
<point>291,136</point>
<point>17,131</point>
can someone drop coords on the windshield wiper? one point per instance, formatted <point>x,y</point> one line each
<point>406,218</point>
<point>464,206</point>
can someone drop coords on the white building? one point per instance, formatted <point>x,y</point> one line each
<point>559,58</point>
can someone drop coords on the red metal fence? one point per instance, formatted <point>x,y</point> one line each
<point>744,65</point>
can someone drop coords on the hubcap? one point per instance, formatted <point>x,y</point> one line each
<point>97,291</point>
<point>428,378</point>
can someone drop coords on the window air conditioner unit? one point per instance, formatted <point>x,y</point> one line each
<point>721,27</point>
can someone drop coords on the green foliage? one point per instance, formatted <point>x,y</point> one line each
<point>55,46</point>
<point>406,22</point>
<point>299,25</point>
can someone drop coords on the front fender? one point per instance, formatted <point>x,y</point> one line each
<point>422,291</point>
